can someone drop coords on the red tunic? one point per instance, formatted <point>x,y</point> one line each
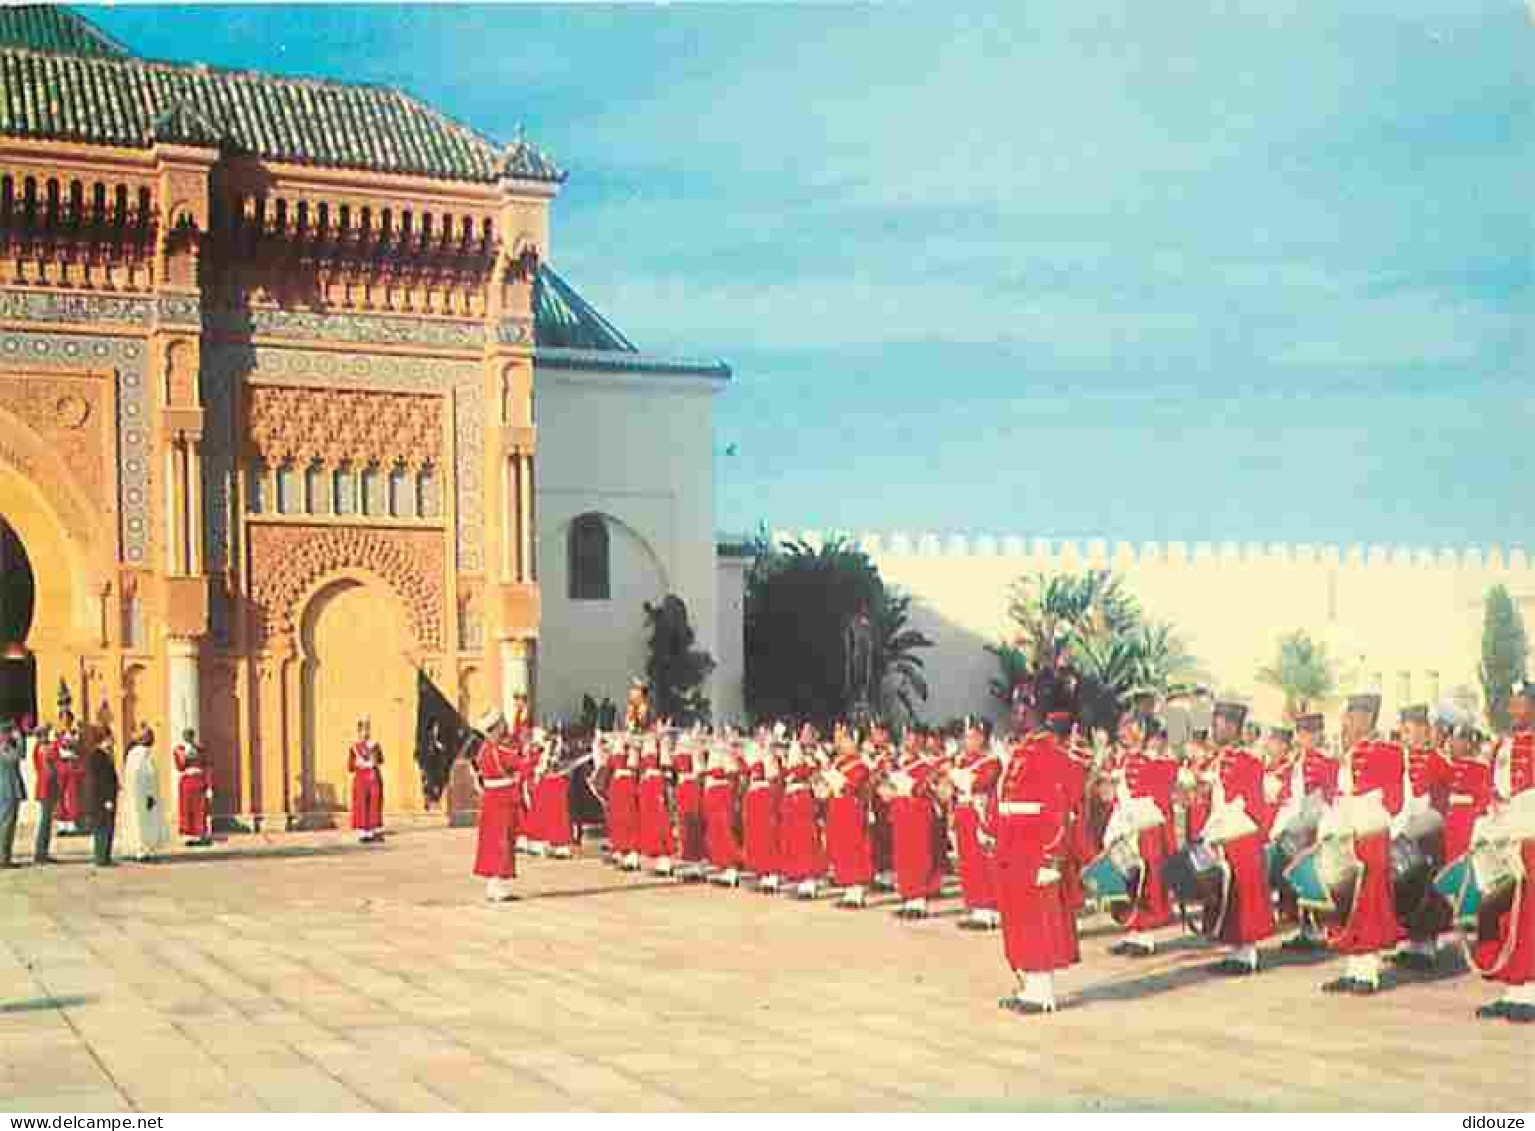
<point>690,808</point>
<point>45,760</point>
<point>1247,914</point>
<point>1372,924</point>
<point>1315,772</point>
<point>719,805</point>
<point>1149,776</point>
<point>502,767</point>
<point>653,811</point>
<point>548,819</point>
<point>194,791</point>
<point>1202,799</point>
<point>977,870</point>
<point>1029,814</point>
<point>801,855</point>
<point>1468,799</point>
<point>1075,766</point>
<point>759,822</point>
<point>913,824</point>
<point>848,841</point>
<point>882,838</point>
<point>71,777</point>
<point>623,806</point>
<point>363,762</point>
<point>1504,950</point>
<point>1428,772</point>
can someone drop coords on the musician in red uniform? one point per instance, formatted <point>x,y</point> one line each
<point>688,767</point>
<point>1427,787</point>
<point>801,853</point>
<point>913,813</point>
<point>623,804</point>
<point>978,769</point>
<point>848,841</point>
<point>1238,816</point>
<point>71,773</point>
<point>501,767</point>
<point>1145,774</point>
<point>721,836</point>
<point>1504,949</point>
<point>364,761</point>
<point>1312,770</point>
<point>760,814</point>
<point>1028,821</point>
<point>1199,759</point>
<point>881,755</point>
<point>1370,766</point>
<point>653,811</point>
<point>194,791</point>
<point>1470,789</point>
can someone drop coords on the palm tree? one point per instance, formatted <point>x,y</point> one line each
<point>1054,613</point>
<point>1303,671</point>
<point>898,670</point>
<point>1167,667</point>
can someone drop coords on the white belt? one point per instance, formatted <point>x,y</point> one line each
<point>652,773</point>
<point>1462,799</point>
<point>623,773</point>
<point>498,783</point>
<point>191,770</point>
<point>795,788</point>
<point>758,785</point>
<point>1020,808</point>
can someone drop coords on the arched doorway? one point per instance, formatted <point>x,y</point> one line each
<point>18,596</point>
<point>354,666</point>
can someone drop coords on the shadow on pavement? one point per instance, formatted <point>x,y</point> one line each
<point>39,1004</point>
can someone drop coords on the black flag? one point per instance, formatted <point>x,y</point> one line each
<point>439,733</point>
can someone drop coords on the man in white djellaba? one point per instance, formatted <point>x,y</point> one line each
<point>141,819</point>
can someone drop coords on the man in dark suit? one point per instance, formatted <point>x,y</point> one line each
<point>12,790</point>
<point>101,774</point>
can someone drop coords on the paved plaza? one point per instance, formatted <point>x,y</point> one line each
<point>304,972</point>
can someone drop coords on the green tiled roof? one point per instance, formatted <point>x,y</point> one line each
<point>63,93</point>
<point>569,333</point>
<point>45,27</point>
<point>563,319</point>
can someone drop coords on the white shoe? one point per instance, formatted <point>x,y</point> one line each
<point>768,883</point>
<point>806,890</point>
<point>522,844</point>
<point>663,867</point>
<point>560,852</point>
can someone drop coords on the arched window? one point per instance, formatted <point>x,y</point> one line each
<point>588,544</point>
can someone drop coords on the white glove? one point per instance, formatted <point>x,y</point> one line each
<point>1273,788</point>
<point>964,780</point>
<point>1047,876</point>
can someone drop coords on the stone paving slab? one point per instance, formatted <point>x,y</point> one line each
<point>303,972</point>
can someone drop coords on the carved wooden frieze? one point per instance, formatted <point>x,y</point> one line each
<point>287,561</point>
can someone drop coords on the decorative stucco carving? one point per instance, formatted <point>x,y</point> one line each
<point>227,365</point>
<point>345,326</point>
<point>287,561</point>
<point>45,306</point>
<point>336,427</point>
<point>57,409</point>
<point>135,442</point>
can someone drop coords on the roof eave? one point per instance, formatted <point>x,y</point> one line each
<point>621,361</point>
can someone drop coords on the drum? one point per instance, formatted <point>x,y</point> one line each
<point>1193,873</point>
<point>1115,873</point>
<point>1324,877</point>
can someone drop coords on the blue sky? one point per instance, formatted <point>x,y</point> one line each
<point>1203,271</point>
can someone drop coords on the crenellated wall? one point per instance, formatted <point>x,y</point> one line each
<point>1405,621</point>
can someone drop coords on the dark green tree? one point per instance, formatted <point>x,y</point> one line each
<point>799,600</point>
<point>898,668</point>
<point>676,670</point>
<point>1504,650</point>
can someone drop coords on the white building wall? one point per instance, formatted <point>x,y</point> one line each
<point>728,687</point>
<point>637,449</point>
<point>1405,623</point>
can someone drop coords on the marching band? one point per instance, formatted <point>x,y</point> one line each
<point>1385,852</point>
